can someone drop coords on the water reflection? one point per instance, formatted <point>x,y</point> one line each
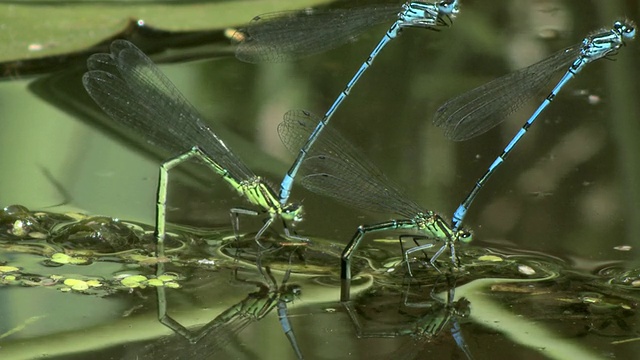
<point>522,303</point>
<point>215,336</point>
<point>423,320</point>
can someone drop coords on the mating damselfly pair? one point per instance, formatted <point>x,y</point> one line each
<point>130,88</point>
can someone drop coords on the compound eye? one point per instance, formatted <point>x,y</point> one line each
<point>294,212</point>
<point>465,236</point>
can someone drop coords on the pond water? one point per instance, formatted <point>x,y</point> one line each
<point>551,272</point>
<point>82,291</point>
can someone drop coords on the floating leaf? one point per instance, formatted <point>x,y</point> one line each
<point>155,282</point>
<point>76,284</point>
<point>94,283</point>
<point>492,258</point>
<point>171,284</point>
<point>80,25</point>
<point>6,269</point>
<point>62,258</point>
<point>134,281</point>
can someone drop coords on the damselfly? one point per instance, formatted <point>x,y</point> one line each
<point>337,169</point>
<point>129,87</point>
<point>295,34</point>
<point>484,107</point>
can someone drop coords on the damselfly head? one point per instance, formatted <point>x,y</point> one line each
<point>626,28</point>
<point>462,307</point>
<point>450,7</point>
<point>290,292</point>
<point>464,236</point>
<point>292,212</point>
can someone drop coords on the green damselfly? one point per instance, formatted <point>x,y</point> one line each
<point>129,87</point>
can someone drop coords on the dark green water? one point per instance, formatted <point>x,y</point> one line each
<point>567,196</point>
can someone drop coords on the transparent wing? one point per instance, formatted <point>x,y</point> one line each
<point>337,169</point>
<point>477,111</point>
<point>129,87</point>
<point>290,35</point>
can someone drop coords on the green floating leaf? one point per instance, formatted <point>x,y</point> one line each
<point>7,269</point>
<point>8,279</point>
<point>172,285</point>
<point>62,258</point>
<point>491,258</point>
<point>94,283</point>
<point>32,30</point>
<point>155,282</point>
<point>76,284</point>
<point>134,281</point>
